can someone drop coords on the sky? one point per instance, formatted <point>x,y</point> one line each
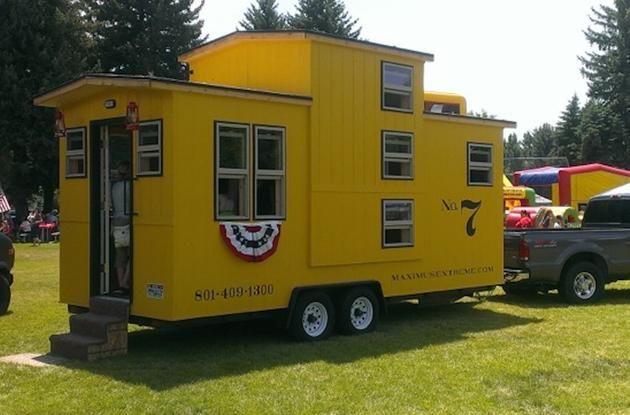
<point>517,60</point>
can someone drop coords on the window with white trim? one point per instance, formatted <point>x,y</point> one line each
<point>232,178</point>
<point>397,155</point>
<point>397,223</point>
<point>397,82</point>
<point>75,152</point>
<point>479,164</point>
<point>270,175</point>
<point>149,149</point>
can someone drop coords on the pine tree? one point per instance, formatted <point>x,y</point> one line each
<point>607,70</point>
<point>597,126</point>
<point>511,152</point>
<point>42,44</point>
<point>145,36</point>
<point>263,15</point>
<point>567,140</point>
<point>328,16</point>
<point>539,142</point>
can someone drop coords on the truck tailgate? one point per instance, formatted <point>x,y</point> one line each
<point>511,241</point>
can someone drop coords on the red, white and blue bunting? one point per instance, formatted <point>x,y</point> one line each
<point>252,242</point>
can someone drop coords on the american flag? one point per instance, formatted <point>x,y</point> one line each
<point>4,203</point>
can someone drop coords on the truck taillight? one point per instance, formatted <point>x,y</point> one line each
<point>523,250</point>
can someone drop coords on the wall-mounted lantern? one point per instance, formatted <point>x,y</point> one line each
<point>60,125</point>
<point>133,116</point>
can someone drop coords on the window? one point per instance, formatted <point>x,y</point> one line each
<point>479,164</point>
<point>270,172</point>
<point>397,223</point>
<point>607,211</point>
<point>232,178</point>
<point>397,155</point>
<point>75,152</point>
<point>441,107</point>
<point>397,87</point>
<point>149,149</point>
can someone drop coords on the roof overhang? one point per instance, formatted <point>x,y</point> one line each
<point>88,84</point>
<point>465,119</point>
<point>237,36</point>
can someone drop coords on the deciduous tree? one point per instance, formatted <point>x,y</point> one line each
<point>42,44</point>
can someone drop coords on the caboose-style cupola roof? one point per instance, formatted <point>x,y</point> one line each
<point>241,36</point>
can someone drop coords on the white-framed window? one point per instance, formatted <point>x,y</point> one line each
<point>270,173</point>
<point>397,155</point>
<point>397,80</point>
<point>75,152</point>
<point>149,149</point>
<point>397,223</point>
<point>232,173</point>
<point>479,164</point>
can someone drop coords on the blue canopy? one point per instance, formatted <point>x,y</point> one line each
<point>539,177</point>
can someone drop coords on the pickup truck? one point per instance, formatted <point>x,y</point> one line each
<point>7,259</point>
<point>577,262</point>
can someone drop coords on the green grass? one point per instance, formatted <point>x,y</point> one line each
<point>501,356</point>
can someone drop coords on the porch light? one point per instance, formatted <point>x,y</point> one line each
<point>133,116</point>
<point>60,125</point>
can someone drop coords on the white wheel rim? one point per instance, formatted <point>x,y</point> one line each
<point>584,285</point>
<point>315,319</point>
<point>361,313</point>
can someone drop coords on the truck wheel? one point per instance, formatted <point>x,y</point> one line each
<point>313,317</point>
<point>359,311</point>
<point>5,294</point>
<point>582,283</point>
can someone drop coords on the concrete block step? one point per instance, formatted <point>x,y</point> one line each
<point>110,306</point>
<point>74,346</point>
<point>96,325</point>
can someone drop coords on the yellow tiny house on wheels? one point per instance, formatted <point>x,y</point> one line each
<point>296,173</point>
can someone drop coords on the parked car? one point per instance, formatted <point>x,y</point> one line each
<point>7,259</point>
<point>576,261</point>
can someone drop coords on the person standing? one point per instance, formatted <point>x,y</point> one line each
<point>120,221</point>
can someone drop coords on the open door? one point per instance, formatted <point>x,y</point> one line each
<point>112,207</point>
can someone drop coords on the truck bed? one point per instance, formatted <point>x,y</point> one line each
<point>544,253</point>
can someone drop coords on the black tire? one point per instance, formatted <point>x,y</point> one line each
<point>5,294</point>
<point>519,290</point>
<point>582,283</point>
<point>358,312</point>
<point>313,317</point>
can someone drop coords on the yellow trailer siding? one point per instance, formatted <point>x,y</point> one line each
<point>281,65</point>
<point>202,261</point>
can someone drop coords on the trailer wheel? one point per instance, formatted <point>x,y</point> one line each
<point>5,294</point>
<point>582,283</point>
<point>359,311</point>
<point>313,317</point>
